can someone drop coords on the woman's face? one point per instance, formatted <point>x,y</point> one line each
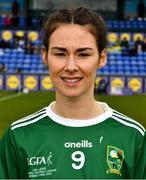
<point>73,59</point>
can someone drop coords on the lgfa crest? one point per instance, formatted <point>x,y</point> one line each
<point>115,157</point>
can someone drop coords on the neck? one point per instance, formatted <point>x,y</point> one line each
<point>77,108</point>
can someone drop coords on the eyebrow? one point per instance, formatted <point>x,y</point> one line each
<point>58,48</point>
<point>84,49</point>
<point>78,50</point>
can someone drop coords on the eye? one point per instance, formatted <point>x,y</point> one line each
<point>84,54</point>
<point>59,54</point>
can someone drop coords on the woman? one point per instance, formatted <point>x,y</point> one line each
<point>75,137</point>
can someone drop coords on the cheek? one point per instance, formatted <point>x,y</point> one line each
<point>91,69</point>
<point>54,69</point>
<point>51,64</point>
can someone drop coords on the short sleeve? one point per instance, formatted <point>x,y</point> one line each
<point>140,160</point>
<point>8,159</point>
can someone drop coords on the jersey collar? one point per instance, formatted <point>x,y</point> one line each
<point>79,122</point>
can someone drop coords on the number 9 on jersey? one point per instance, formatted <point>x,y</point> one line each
<point>79,159</point>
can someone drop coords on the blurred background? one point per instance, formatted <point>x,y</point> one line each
<point>24,82</point>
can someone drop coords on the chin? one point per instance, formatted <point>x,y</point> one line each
<point>70,93</point>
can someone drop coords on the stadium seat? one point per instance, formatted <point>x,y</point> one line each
<point>116,62</point>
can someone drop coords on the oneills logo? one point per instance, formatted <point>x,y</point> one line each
<point>80,144</point>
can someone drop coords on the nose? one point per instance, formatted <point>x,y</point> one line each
<point>71,64</point>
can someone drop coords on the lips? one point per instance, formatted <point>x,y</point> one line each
<point>71,79</point>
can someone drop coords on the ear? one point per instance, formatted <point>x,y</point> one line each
<point>102,58</point>
<point>44,56</point>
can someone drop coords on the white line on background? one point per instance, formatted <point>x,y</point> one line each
<point>10,97</point>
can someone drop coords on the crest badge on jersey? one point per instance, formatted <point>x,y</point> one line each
<point>115,157</point>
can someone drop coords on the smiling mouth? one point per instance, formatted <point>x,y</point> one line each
<point>71,80</point>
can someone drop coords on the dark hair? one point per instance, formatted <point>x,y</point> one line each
<point>81,16</point>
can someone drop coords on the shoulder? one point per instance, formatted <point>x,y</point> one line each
<point>31,119</point>
<point>127,121</point>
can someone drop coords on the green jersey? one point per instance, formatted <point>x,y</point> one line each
<point>47,146</point>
